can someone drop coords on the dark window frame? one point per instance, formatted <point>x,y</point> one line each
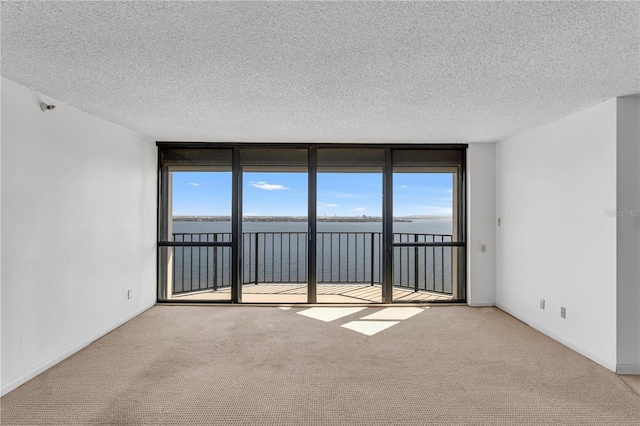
<point>199,154</point>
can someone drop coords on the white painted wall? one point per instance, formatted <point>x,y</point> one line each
<point>628,235</point>
<point>481,220</point>
<point>78,230</point>
<point>554,185</point>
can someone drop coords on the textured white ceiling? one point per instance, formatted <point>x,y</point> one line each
<point>325,72</point>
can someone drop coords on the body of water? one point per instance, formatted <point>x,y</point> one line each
<point>419,226</point>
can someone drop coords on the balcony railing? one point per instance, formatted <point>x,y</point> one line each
<point>342,257</point>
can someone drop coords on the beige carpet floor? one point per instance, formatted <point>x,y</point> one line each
<point>194,365</point>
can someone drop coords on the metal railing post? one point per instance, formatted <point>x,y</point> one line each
<point>415,264</point>
<point>215,263</point>
<point>255,253</point>
<point>372,258</point>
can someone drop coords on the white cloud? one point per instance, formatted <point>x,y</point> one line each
<point>403,186</point>
<point>267,186</point>
<point>194,184</point>
<point>341,195</point>
<point>359,209</point>
<point>321,204</point>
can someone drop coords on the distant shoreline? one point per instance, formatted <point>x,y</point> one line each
<point>300,218</point>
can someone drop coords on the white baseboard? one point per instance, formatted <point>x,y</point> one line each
<point>628,368</point>
<point>45,366</point>
<point>481,303</point>
<point>554,336</point>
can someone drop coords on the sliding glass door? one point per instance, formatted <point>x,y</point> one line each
<point>254,223</point>
<point>274,237</point>
<point>428,244</point>
<point>349,225</point>
<point>274,225</point>
<point>195,236</point>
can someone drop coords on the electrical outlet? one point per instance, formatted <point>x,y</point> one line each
<point>483,248</point>
<point>129,294</point>
<point>541,303</point>
<point>563,312</point>
<point>499,221</point>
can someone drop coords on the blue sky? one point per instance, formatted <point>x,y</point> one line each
<point>285,194</point>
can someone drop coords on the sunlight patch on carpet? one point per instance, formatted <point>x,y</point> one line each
<point>394,314</point>
<point>369,328</point>
<point>329,314</point>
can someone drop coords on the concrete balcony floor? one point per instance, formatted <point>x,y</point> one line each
<point>327,293</point>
